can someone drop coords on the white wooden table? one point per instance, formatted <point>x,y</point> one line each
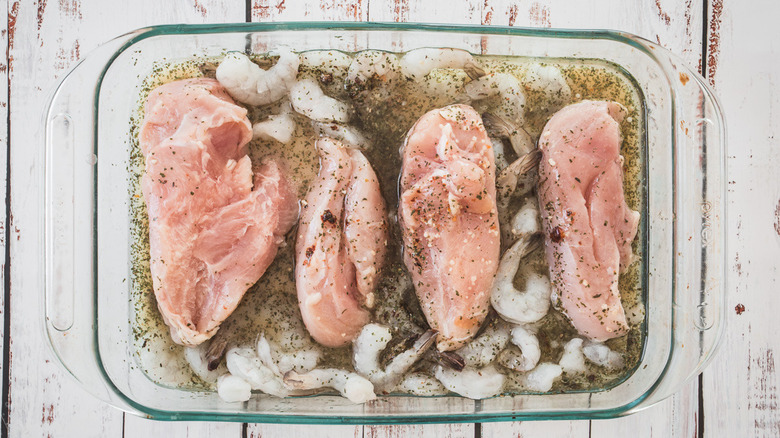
<point>735,44</point>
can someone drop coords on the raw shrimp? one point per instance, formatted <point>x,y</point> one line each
<point>548,80</point>
<point>248,83</point>
<point>520,307</point>
<point>422,385</point>
<point>372,70</point>
<point>524,338</point>
<point>526,220</point>
<point>500,154</point>
<point>509,91</point>
<point>244,362</point>
<point>279,127</point>
<point>371,341</point>
<point>444,87</point>
<point>521,141</point>
<point>485,348</point>
<point>471,382</point>
<point>573,361</point>
<point>542,377</point>
<point>507,182</point>
<point>308,99</point>
<point>197,358</point>
<point>354,387</point>
<point>300,359</point>
<point>601,355</point>
<point>326,62</point>
<point>233,389</point>
<point>418,63</point>
<point>217,345</point>
<point>346,134</point>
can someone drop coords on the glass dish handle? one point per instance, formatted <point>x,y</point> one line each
<point>700,245</point>
<point>69,205</point>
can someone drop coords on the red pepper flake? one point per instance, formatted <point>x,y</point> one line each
<point>739,308</point>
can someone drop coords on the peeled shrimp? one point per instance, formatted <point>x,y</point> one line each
<point>421,384</point>
<point>548,79</point>
<point>301,359</point>
<point>279,127</point>
<point>346,134</point>
<point>510,92</point>
<point>516,306</point>
<point>444,87</point>
<point>371,341</point>
<point>244,362</point>
<point>354,387</point>
<point>417,63</point>
<point>371,68</point>
<point>308,99</point>
<point>326,61</point>
<point>485,348</point>
<point>526,359</point>
<point>542,377</point>
<point>233,389</point>
<point>471,382</point>
<point>518,137</point>
<point>601,355</point>
<point>573,360</point>
<point>197,358</point>
<point>507,182</point>
<point>500,154</point>
<point>248,83</point>
<point>526,220</point>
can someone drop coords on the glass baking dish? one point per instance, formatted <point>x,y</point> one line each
<point>88,240</point>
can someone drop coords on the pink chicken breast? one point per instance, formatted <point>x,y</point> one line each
<point>587,224</point>
<point>449,220</point>
<point>341,245</point>
<point>213,228</point>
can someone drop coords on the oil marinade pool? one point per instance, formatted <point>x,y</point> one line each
<point>270,306</point>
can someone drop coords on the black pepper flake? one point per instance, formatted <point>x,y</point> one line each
<point>328,217</point>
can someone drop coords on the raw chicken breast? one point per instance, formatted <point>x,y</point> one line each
<point>449,220</point>
<point>587,225</point>
<point>211,233</point>
<point>341,245</point>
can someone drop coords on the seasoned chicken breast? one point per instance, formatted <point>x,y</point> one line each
<point>213,227</point>
<point>449,220</point>
<point>341,245</point>
<point>587,224</point>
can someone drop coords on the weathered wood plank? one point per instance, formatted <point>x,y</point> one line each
<point>190,11</point>
<point>5,231</point>
<point>45,40</point>
<point>676,416</point>
<point>676,26</point>
<point>465,430</point>
<point>422,11</point>
<point>144,428</point>
<point>309,10</point>
<point>465,12</point>
<point>302,431</point>
<point>323,10</point>
<point>44,43</point>
<point>741,387</point>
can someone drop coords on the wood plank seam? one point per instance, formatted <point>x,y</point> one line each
<point>4,428</point>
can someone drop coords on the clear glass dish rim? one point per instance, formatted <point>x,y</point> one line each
<point>185,29</point>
